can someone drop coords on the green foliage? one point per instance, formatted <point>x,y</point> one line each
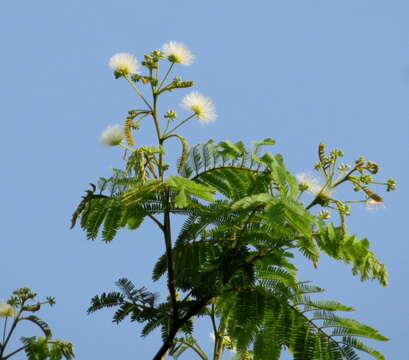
<point>340,245</point>
<point>36,348</point>
<point>186,187</point>
<point>39,348</point>
<point>264,318</point>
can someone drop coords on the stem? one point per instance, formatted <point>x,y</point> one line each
<point>196,348</point>
<point>166,76</point>
<point>167,127</point>
<point>345,178</point>
<point>157,128</point>
<point>169,256</point>
<point>4,329</point>
<point>157,222</point>
<point>180,124</point>
<point>126,147</point>
<point>212,317</point>
<point>219,348</point>
<point>166,224</point>
<point>166,220</point>
<point>138,91</point>
<point>217,338</point>
<point>14,352</point>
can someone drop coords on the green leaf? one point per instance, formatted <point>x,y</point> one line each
<point>140,192</point>
<point>252,200</point>
<point>40,323</point>
<point>340,245</point>
<point>185,186</point>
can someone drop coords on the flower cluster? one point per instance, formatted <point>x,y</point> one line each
<point>126,65</point>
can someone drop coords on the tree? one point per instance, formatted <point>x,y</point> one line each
<point>244,219</point>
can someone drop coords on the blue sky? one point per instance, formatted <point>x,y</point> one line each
<point>300,72</point>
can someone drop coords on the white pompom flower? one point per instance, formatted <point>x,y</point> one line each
<point>313,185</point>
<point>6,310</point>
<point>178,53</point>
<point>124,64</point>
<point>201,105</point>
<point>112,135</point>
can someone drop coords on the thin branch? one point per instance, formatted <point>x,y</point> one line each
<point>4,331</point>
<point>175,327</point>
<point>195,347</point>
<point>14,352</point>
<point>213,320</point>
<point>318,328</point>
<point>180,124</point>
<point>165,77</point>
<point>345,178</point>
<point>138,92</point>
<point>169,256</point>
<point>157,222</point>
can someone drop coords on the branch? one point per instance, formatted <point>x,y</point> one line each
<point>345,178</point>
<point>195,347</point>
<point>157,222</point>
<point>14,352</point>
<point>175,327</point>
<point>318,328</point>
<point>169,256</point>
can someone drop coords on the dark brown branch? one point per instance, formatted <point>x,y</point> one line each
<point>169,256</point>
<point>176,326</point>
<point>157,222</point>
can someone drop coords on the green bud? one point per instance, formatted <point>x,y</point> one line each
<point>156,55</point>
<point>303,187</point>
<point>318,166</point>
<point>135,77</point>
<point>118,74</point>
<point>324,214</point>
<point>343,208</point>
<point>170,114</point>
<point>367,179</point>
<point>321,151</point>
<point>336,153</point>
<point>51,300</point>
<point>391,184</point>
<point>372,167</point>
<point>344,167</point>
<point>360,163</point>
